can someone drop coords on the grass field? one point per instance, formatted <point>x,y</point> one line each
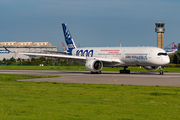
<point>82,68</point>
<point>43,100</point>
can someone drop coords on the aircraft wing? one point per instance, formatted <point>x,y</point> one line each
<point>73,57</point>
<point>55,56</point>
<point>64,52</point>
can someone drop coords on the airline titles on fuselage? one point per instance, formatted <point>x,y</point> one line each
<point>84,53</point>
<point>4,51</point>
<point>89,53</point>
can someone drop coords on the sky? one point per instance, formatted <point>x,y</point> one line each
<point>91,22</point>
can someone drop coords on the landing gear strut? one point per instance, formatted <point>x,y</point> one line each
<point>161,71</point>
<point>124,70</point>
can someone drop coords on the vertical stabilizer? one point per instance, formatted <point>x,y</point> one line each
<point>64,48</point>
<point>68,38</point>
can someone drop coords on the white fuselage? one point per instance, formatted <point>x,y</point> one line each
<point>129,56</point>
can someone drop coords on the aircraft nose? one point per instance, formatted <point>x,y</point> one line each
<point>166,60</point>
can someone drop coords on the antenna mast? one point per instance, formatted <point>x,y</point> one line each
<point>16,49</point>
<point>49,43</point>
<point>120,43</point>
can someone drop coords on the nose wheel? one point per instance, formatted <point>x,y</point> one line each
<point>161,71</point>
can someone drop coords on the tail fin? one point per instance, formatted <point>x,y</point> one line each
<point>175,47</point>
<point>174,50</point>
<point>64,48</point>
<point>68,38</point>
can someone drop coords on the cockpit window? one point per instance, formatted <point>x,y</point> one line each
<point>165,54</point>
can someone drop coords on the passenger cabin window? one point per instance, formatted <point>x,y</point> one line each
<point>165,54</point>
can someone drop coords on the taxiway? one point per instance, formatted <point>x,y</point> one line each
<point>135,78</point>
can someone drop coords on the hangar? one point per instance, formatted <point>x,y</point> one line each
<point>18,47</point>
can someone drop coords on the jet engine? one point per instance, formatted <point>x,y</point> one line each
<point>94,65</point>
<point>151,68</point>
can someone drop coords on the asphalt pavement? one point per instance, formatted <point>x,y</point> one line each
<point>107,77</point>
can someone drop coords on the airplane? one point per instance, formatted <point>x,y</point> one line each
<point>95,58</point>
<point>174,50</point>
<point>64,48</point>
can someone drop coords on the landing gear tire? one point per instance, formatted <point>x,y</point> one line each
<point>161,73</point>
<point>121,71</point>
<point>124,71</point>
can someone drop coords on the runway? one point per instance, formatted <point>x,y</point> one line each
<point>135,78</point>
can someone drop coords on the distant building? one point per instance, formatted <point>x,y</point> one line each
<point>20,47</point>
<point>25,44</point>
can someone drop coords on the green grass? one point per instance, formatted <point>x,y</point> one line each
<point>43,100</point>
<point>14,77</point>
<point>42,68</point>
<point>82,68</point>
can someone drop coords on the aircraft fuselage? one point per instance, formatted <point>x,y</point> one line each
<point>129,56</point>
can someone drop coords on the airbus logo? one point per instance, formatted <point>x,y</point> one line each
<point>84,53</point>
<point>70,46</point>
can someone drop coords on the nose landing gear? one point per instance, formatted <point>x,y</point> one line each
<point>161,71</point>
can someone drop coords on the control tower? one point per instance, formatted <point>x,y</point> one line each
<point>160,34</point>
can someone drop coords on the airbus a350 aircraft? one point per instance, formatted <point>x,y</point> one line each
<point>95,58</point>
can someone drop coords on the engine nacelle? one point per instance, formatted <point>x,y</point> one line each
<point>94,65</point>
<point>151,68</point>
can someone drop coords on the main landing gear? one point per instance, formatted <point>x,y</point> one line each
<point>161,71</point>
<point>124,70</point>
<point>95,72</point>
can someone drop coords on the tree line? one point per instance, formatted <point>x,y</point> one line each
<point>175,58</point>
<point>37,61</point>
